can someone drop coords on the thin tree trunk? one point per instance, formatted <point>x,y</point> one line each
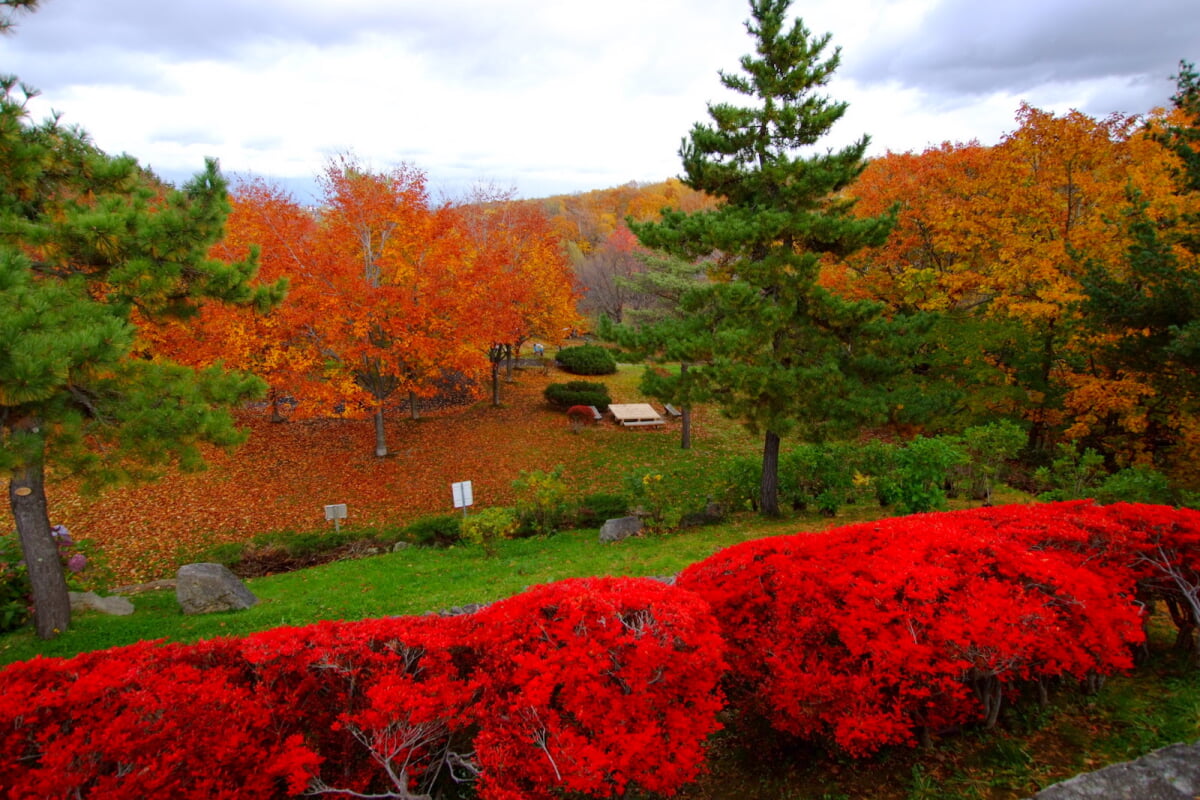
<point>496,384</point>
<point>380,440</point>
<point>769,489</point>
<point>276,414</point>
<point>413,409</point>
<point>51,603</point>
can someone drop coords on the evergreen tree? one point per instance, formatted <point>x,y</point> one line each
<point>779,353</point>
<point>661,331</point>
<point>88,242</point>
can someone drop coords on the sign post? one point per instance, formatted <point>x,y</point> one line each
<point>462,495</point>
<point>337,513</point>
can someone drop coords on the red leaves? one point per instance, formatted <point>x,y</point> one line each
<point>861,636</point>
<point>868,633</point>
<point>590,677</point>
<point>568,687</point>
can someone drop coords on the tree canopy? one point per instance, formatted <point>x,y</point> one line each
<point>87,239</point>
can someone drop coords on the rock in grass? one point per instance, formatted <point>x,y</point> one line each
<point>205,588</point>
<point>113,604</point>
<point>620,528</point>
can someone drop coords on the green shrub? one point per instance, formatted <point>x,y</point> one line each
<point>587,359</point>
<point>14,585</point>
<point>656,499</point>
<point>1135,485</point>
<point>227,553</point>
<point>988,448</point>
<point>817,474</point>
<point>738,482</point>
<point>488,526</point>
<point>1071,476</point>
<point>541,502</point>
<point>441,530</point>
<point>595,509</point>
<point>874,465</point>
<point>577,393</point>
<point>922,470</point>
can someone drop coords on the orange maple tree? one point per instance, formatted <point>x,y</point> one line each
<point>523,288</point>
<point>998,238</point>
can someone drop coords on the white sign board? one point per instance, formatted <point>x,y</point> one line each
<point>337,513</point>
<point>462,494</point>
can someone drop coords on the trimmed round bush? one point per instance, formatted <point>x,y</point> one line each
<point>587,359</point>
<point>577,393</point>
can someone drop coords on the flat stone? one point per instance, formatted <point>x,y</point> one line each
<point>614,530</point>
<point>208,588</point>
<point>1172,773</point>
<point>114,605</point>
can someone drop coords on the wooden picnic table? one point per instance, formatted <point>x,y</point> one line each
<point>631,414</point>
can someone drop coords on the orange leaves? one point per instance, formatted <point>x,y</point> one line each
<point>285,473</point>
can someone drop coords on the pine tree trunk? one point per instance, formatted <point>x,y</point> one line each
<point>380,440</point>
<point>51,603</point>
<point>769,489</point>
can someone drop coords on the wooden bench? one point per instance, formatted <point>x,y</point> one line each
<point>672,410</point>
<point>596,413</point>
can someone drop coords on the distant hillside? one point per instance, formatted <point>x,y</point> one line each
<point>588,219</point>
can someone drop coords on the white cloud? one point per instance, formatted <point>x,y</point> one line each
<point>555,95</point>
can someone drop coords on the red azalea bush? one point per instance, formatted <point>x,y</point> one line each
<point>595,685</point>
<point>1164,552</point>
<point>142,721</point>
<point>865,636</point>
<point>390,707</point>
<point>383,701</point>
<point>869,634</point>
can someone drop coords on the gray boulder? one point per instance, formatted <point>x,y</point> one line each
<point>1172,773</point>
<point>614,530</point>
<point>113,604</point>
<point>205,588</point>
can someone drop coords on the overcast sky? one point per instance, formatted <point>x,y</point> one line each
<point>556,96</point>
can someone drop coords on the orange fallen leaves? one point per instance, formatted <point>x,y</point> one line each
<point>286,473</point>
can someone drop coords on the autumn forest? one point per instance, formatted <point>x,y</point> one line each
<point>1055,271</point>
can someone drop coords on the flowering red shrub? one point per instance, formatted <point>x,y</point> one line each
<point>594,686</point>
<point>137,722</point>
<point>1164,545</point>
<point>869,633</point>
<point>382,701</point>
<point>864,636</point>
<point>618,677</point>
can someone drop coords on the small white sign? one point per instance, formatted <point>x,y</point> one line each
<point>462,494</point>
<point>336,511</point>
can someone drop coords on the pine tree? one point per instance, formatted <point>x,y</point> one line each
<point>784,355</point>
<point>85,240</point>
